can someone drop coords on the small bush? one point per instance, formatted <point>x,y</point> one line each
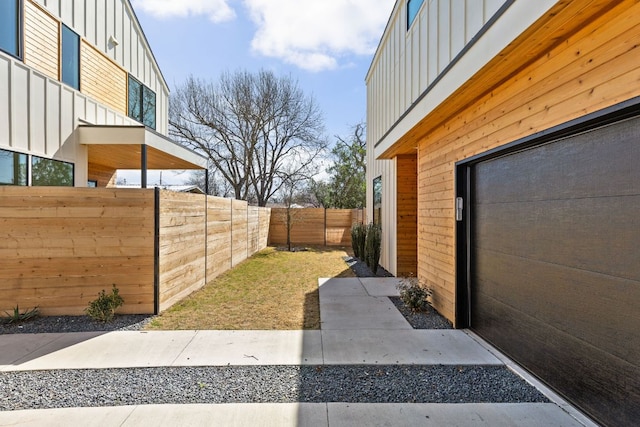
<point>372,247</point>
<point>358,240</point>
<point>18,317</point>
<point>104,307</point>
<point>413,295</point>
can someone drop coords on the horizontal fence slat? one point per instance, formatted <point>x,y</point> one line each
<point>59,247</point>
<point>314,226</point>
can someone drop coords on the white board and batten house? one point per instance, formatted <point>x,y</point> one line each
<point>81,95</point>
<point>503,142</point>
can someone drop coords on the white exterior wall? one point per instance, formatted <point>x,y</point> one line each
<point>97,21</point>
<point>38,115</point>
<point>415,70</point>
<point>406,64</point>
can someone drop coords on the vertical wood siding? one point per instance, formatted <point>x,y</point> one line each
<point>407,216</point>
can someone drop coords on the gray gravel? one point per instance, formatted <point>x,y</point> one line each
<point>259,384</point>
<point>253,384</point>
<point>429,319</point>
<point>361,269</point>
<point>56,324</point>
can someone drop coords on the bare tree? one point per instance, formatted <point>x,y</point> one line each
<point>251,126</point>
<point>292,192</point>
<point>217,187</point>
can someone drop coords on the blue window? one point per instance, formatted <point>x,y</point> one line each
<point>70,57</point>
<point>413,6</point>
<point>10,26</point>
<point>13,168</point>
<point>142,103</point>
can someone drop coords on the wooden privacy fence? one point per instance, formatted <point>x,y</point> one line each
<point>314,226</point>
<point>59,247</point>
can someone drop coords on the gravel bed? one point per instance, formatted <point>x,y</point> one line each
<point>429,319</point>
<point>361,269</point>
<point>259,384</point>
<point>57,324</point>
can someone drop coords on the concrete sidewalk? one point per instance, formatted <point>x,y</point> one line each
<point>359,326</point>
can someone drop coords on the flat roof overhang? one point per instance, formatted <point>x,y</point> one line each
<point>124,147</point>
<point>524,33</point>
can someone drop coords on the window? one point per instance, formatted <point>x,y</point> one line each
<point>377,200</point>
<point>10,26</point>
<point>13,168</point>
<point>413,6</point>
<point>48,172</point>
<point>92,183</point>
<point>70,58</point>
<point>142,103</point>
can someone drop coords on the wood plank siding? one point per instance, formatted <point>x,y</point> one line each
<point>407,216</point>
<point>183,238</point>
<point>103,79</point>
<point>571,59</point>
<point>219,232</point>
<point>314,226</point>
<point>41,40</point>
<point>60,248</point>
<point>104,176</point>
<point>594,65</point>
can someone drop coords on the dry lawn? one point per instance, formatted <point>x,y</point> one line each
<point>271,290</point>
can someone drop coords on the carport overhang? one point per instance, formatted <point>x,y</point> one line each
<point>136,147</point>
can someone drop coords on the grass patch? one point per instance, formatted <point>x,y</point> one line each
<point>271,290</point>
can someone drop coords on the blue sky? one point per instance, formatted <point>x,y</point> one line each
<point>326,45</point>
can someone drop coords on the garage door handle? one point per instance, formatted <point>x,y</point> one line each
<point>459,206</point>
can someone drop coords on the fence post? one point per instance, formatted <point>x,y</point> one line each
<point>156,251</point>
<point>325,226</point>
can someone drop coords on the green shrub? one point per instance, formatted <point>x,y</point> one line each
<point>104,307</point>
<point>17,317</point>
<point>414,295</point>
<point>372,247</point>
<point>358,240</point>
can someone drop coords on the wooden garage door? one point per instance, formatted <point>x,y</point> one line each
<point>555,265</point>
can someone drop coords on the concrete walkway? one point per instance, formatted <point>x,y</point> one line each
<point>359,326</point>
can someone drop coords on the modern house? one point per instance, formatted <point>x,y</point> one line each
<point>81,96</point>
<point>503,148</point>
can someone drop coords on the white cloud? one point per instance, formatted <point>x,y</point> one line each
<point>216,10</point>
<point>316,34</point>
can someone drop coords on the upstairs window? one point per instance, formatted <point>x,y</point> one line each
<point>142,103</point>
<point>413,6</point>
<point>10,26</point>
<point>70,58</point>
